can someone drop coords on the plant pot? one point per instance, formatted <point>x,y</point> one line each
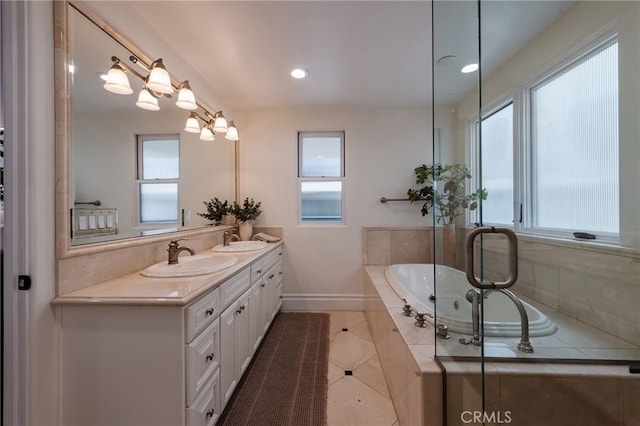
<point>245,229</point>
<point>449,244</point>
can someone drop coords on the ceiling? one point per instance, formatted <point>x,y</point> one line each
<point>358,53</point>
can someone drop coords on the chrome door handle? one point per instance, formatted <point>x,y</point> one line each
<point>513,257</point>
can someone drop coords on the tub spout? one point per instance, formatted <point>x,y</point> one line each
<point>473,296</point>
<point>524,345</point>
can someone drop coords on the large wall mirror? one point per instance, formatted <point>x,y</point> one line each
<point>107,139</point>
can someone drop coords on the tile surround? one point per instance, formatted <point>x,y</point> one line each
<point>533,394</point>
<point>595,283</point>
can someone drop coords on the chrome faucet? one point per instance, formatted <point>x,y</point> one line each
<point>227,237</point>
<point>174,250</point>
<point>524,345</point>
<point>473,296</point>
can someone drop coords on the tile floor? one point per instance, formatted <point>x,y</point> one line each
<point>358,393</point>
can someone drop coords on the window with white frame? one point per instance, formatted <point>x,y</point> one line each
<point>321,177</point>
<point>497,166</point>
<point>158,177</point>
<point>566,179</point>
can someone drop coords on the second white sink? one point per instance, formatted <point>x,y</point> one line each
<point>235,246</point>
<point>191,266</point>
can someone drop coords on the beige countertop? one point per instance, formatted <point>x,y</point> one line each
<point>136,289</point>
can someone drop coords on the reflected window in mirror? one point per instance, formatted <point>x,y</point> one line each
<point>158,179</point>
<point>544,168</point>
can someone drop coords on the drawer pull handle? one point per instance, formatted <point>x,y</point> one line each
<point>210,357</point>
<point>210,413</point>
<point>271,276</point>
<point>210,311</point>
<point>262,285</point>
<point>259,271</point>
<point>239,311</point>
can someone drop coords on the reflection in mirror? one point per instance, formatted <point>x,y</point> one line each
<point>108,194</point>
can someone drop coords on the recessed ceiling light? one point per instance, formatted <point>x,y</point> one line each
<point>299,73</point>
<point>469,68</point>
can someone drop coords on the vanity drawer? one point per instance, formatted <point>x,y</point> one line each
<point>203,357</point>
<point>201,313</point>
<point>272,258</point>
<point>231,289</point>
<point>206,408</point>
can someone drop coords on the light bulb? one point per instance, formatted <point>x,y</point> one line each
<point>206,134</point>
<point>192,125</point>
<point>220,125</point>
<point>117,81</point>
<point>186,98</point>
<point>159,80</point>
<point>147,101</point>
<point>232,132</point>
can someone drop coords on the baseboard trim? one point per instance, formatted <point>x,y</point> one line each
<point>322,302</point>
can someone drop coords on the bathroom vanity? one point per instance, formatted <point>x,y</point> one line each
<point>165,351</point>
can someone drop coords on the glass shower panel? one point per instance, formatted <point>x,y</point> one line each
<point>456,95</point>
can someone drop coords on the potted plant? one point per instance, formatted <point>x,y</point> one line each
<point>444,188</point>
<point>246,215</point>
<point>216,210</point>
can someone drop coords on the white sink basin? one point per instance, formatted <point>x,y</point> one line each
<point>235,246</point>
<point>191,266</point>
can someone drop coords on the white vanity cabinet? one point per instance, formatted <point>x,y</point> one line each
<point>155,363</point>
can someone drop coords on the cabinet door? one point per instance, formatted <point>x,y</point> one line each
<point>242,333</point>
<point>206,408</point>
<point>228,377</point>
<point>256,316</point>
<point>202,359</point>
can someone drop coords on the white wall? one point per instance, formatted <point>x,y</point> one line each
<point>27,79</point>
<point>382,147</point>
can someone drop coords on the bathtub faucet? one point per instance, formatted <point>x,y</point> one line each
<point>473,296</point>
<point>524,345</point>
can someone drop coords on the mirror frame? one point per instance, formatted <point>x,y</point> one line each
<point>62,113</point>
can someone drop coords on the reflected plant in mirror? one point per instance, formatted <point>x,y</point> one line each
<point>216,210</point>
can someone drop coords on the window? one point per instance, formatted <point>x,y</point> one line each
<point>574,146</point>
<point>158,174</point>
<point>566,176</point>
<point>497,166</point>
<point>321,177</point>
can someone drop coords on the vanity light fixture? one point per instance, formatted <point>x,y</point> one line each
<point>232,132</point>
<point>117,81</point>
<point>186,98</point>
<point>192,125</point>
<point>159,80</point>
<point>158,83</point>
<point>147,101</point>
<point>469,68</point>
<point>220,124</point>
<point>206,134</point>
